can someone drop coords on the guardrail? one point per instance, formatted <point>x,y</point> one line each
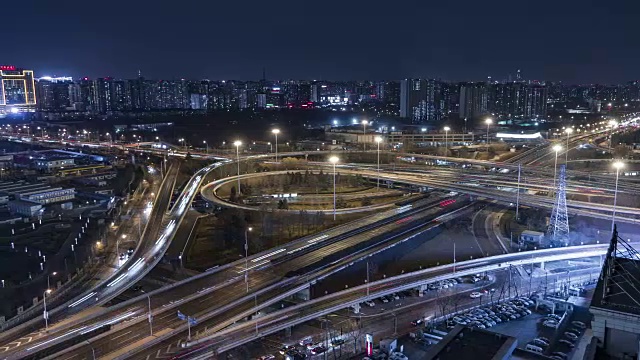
<point>462,269</point>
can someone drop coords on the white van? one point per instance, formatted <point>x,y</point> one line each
<point>534,348</point>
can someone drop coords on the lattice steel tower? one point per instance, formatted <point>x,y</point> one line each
<point>559,222</point>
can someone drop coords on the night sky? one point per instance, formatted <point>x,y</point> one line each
<point>574,41</point>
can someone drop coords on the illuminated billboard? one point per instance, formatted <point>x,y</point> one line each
<point>17,87</point>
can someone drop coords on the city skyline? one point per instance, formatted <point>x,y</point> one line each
<point>454,42</point>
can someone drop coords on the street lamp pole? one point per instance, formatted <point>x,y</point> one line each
<point>237,143</point>
<point>557,148</point>
<point>276,132</point>
<point>334,160</point>
<point>612,123</point>
<point>566,157</point>
<point>206,146</point>
<point>48,276</point>
<point>446,145</point>
<point>45,314</point>
<point>364,132</point>
<point>618,165</point>
<point>488,122</point>
<point>246,256</point>
<point>378,141</point>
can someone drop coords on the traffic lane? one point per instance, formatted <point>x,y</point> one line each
<point>86,300</point>
<point>211,325</point>
<point>116,340</point>
<point>57,315</point>
<point>319,254</point>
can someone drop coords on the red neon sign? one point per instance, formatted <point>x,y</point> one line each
<point>7,68</point>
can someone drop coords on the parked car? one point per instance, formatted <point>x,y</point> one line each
<point>416,322</point>
<point>475,295</point>
<point>370,303</point>
<point>318,350</point>
<point>540,342</point>
<point>286,348</point>
<point>561,355</point>
<point>554,317</point>
<point>571,336</point>
<point>384,299</point>
<point>550,324</point>
<point>267,357</point>
<point>566,342</point>
<point>336,342</point>
<point>579,324</point>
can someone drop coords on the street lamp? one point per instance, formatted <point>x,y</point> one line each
<point>569,131</point>
<point>48,280</point>
<point>617,165</point>
<point>334,160</point>
<point>557,148</point>
<point>446,133</point>
<point>613,124</point>
<point>364,132</point>
<point>378,141</point>
<point>246,256</point>
<point>276,132</point>
<point>45,314</point>
<point>206,146</point>
<point>489,121</point>
<point>237,143</point>
<point>183,143</point>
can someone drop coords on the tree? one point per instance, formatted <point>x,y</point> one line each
<point>366,201</point>
<point>355,333</point>
<point>283,204</point>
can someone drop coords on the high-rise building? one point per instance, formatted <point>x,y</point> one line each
<point>17,89</point>
<point>473,100</point>
<point>424,100</point>
<point>413,105</point>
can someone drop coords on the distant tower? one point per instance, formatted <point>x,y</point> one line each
<point>559,222</point>
<point>518,75</point>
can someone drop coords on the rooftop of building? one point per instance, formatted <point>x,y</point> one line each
<point>471,343</point>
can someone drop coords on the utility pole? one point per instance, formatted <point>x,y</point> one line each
<point>518,192</point>
<point>367,278</point>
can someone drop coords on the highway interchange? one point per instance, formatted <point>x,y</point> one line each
<point>130,334</point>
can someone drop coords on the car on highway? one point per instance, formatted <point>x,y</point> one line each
<point>130,251</point>
<point>475,295</point>
<point>267,357</point>
<point>417,322</point>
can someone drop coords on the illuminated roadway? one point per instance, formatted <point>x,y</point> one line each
<point>227,338</point>
<point>226,285</point>
<point>156,239</point>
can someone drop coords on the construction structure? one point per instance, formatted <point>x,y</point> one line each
<point>558,230</point>
<point>616,302</point>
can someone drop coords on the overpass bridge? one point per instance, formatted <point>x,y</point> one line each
<point>220,339</point>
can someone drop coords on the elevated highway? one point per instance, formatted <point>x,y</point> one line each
<point>219,340</point>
